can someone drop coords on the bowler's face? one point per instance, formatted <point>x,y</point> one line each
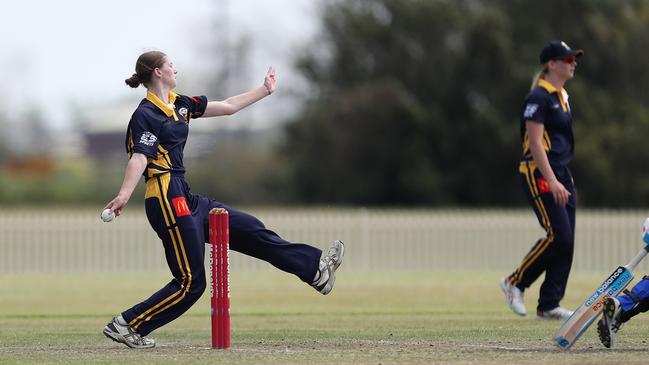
<point>168,73</point>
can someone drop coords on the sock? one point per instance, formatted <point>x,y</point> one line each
<point>121,321</point>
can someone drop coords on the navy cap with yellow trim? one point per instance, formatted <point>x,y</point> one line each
<point>556,50</point>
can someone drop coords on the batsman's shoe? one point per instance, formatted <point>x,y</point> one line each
<point>126,335</point>
<point>610,324</point>
<point>513,297</point>
<point>558,313</point>
<point>326,275</point>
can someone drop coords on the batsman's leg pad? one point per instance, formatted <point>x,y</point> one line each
<point>635,301</point>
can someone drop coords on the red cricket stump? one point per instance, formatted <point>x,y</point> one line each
<point>220,278</point>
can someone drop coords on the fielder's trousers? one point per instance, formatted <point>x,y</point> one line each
<point>553,253</point>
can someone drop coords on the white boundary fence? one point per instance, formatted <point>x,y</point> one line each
<point>75,240</point>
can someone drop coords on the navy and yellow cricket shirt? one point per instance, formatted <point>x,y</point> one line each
<point>549,106</point>
<point>159,131</point>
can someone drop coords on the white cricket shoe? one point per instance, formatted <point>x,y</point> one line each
<point>610,324</point>
<point>513,297</point>
<point>325,277</point>
<point>125,334</point>
<point>558,313</point>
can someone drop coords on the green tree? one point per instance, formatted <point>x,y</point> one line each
<point>417,102</point>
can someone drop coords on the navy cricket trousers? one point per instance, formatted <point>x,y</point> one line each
<point>553,253</point>
<point>181,220</point>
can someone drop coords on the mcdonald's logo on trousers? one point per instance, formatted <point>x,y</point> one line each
<point>180,206</point>
<point>543,184</point>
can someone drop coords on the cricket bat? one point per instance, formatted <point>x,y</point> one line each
<point>583,317</point>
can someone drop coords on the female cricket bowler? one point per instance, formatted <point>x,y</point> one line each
<point>155,139</point>
<point>548,145</point>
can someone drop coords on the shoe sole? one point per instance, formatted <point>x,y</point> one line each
<point>340,256</point>
<point>602,325</point>
<point>602,333</point>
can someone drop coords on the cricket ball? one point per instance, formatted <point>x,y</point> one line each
<point>107,215</point>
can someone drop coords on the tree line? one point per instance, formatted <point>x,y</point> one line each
<point>417,102</point>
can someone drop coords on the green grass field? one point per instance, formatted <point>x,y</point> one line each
<point>369,318</point>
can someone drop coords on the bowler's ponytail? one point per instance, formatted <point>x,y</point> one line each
<point>146,63</point>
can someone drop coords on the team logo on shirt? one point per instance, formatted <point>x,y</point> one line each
<point>148,139</point>
<point>180,206</point>
<point>183,112</point>
<point>530,109</point>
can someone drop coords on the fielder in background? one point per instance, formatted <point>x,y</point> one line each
<point>548,145</point>
<point>155,139</point>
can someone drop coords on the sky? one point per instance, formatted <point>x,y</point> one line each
<point>59,53</point>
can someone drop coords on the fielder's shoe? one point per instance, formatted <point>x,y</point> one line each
<point>325,277</point>
<point>558,313</point>
<point>125,334</point>
<point>513,297</point>
<point>610,324</point>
